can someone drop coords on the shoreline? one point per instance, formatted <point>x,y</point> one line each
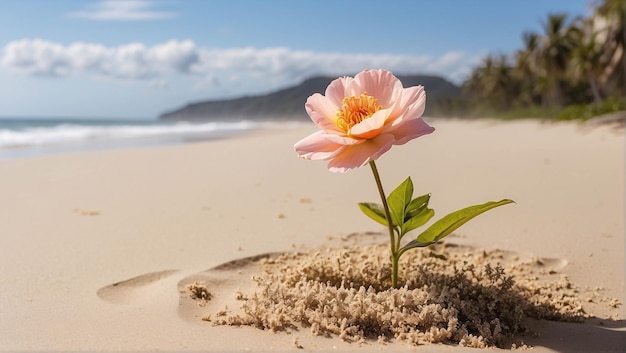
<point>77,223</point>
<point>32,138</point>
<point>100,141</point>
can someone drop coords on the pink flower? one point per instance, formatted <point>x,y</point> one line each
<point>361,118</point>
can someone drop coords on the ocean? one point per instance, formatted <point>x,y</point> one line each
<point>20,137</point>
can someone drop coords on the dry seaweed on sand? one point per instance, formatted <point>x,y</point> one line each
<point>450,295</point>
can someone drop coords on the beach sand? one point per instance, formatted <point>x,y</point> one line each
<point>98,248</point>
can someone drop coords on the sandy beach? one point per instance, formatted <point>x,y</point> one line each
<point>96,246</point>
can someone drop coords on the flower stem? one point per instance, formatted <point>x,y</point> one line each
<point>392,238</point>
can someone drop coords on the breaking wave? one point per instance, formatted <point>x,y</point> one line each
<point>32,134</point>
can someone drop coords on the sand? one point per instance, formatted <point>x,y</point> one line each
<point>98,248</point>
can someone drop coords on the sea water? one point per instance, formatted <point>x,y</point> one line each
<point>21,137</point>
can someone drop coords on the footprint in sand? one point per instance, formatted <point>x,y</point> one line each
<point>220,285</point>
<point>137,289</point>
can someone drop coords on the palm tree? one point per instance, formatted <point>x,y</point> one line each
<point>492,82</point>
<point>611,14</point>
<point>556,48</point>
<point>502,81</point>
<point>527,67</point>
<point>588,57</point>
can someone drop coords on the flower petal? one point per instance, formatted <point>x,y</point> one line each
<point>342,140</point>
<point>416,109</point>
<point>337,90</point>
<point>372,126</point>
<point>410,129</point>
<point>381,84</point>
<point>410,105</point>
<point>316,147</point>
<point>323,112</point>
<point>358,155</point>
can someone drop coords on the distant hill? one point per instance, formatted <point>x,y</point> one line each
<point>288,103</point>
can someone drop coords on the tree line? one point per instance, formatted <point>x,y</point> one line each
<point>575,68</point>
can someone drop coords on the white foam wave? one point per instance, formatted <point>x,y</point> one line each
<point>73,133</point>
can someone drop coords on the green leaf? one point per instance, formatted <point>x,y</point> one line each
<point>398,200</point>
<point>416,206</point>
<point>374,211</point>
<point>418,220</point>
<point>454,220</point>
<point>413,244</point>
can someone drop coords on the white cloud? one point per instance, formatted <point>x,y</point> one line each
<point>125,10</point>
<point>130,61</point>
<point>253,67</point>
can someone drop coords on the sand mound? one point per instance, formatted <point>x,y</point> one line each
<point>451,294</point>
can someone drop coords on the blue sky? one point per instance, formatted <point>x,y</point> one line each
<point>139,58</point>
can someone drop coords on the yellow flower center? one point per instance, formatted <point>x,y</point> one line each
<point>356,109</point>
